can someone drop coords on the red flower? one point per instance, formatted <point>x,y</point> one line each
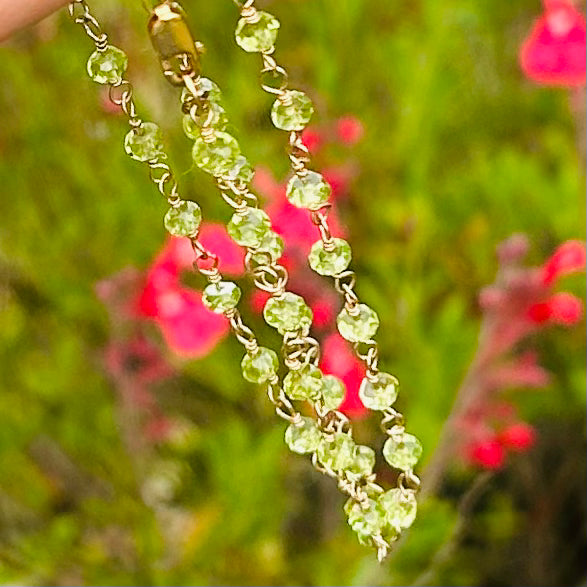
<point>339,359</point>
<point>554,52</point>
<point>313,139</point>
<point>488,454</point>
<point>570,257</point>
<point>349,130</point>
<point>230,256</point>
<point>561,308</point>
<point>518,437</point>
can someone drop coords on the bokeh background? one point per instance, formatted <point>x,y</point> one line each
<point>126,459</point>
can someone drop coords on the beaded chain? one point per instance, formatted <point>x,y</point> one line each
<point>377,516</point>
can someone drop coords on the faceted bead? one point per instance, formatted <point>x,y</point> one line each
<point>337,454</point>
<point>308,190</point>
<point>363,462</point>
<point>257,37</point>
<point>288,312</point>
<point>108,66</point>
<point>218,156</point>
<point>365,521</point>
<point>360,327</point>
<point>332,262</point>
<point>400,507</point>
<point>211,91</point>
<point>305,438</point>
<point>218,121</point>
<point>333,391</point>
<point>273,245</point>
<point>303,384</point>
<point>222,296</point>
<point>249,229</point>
<point>380,393</point>
<point>293,111</point>
<point>183,220</point>
<point>402,452</point>
<point>242,171</point>
<point>145,142</point>
<point>261,366</point>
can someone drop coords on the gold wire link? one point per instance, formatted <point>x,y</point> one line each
<point>88,22</point>
<point>300,350</point>
<point>368,352</point>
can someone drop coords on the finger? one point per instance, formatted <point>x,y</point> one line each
<point>15,15</point>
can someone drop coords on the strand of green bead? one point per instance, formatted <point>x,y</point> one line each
<point>330,256</point>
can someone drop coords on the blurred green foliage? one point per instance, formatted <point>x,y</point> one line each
<point>460,152</point>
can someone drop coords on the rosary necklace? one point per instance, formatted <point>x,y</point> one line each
<point>376,515</point>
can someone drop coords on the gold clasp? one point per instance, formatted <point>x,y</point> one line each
<point>173,41</point>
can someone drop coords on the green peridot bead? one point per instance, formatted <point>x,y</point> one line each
<point>363,462</point>
<point>308,190</point>
<point>304,438</point>
<point>218,121</point>
<point>222,296</point>
<point>218,156</point>
<point>184,219</point>
<point>293,111</point>
<point>108,66</point>
<point>303,384</point>
<point>273,245</point>
<point>365,521</point>
<point>257,37</point>
<point>211,92</point>
<point>326,262</point>
<point>337,454</point>
<point>360,327</point>
<point>242,171</point>
<point>287,313</point>
<point>400,507</point>
<point>261,366</point>
<point>249,228</point>
<point>402,452</point>
<point>144,143</point>
<point>380,392</point>
<point>333,391</point>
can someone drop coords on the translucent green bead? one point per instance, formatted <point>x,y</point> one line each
<point>183,220</point>
<point>365,521</point>
<point>305,438</point>
<point>222,296</point>
<point>333,392</point>
<point>287,313</point>
<point>249,229</point>
<point>242,171</point>
<point>337,454</point>
<point>400,507</point>
<point>108,66</point>
<point>273,245</point>
<point>218,156</point>
<point>210,92</point>
<point>380,392</point>
<point>293,111</point>
<point>257,37</point>
<point>217,120</point>
<point>363,462</point>
<point>402,452</point>
<point>261,366</point>
<point>360,327</point>
<point>326,262</point>
<point>303,384</point>
<point>144,143</point>
<point>308,190</point>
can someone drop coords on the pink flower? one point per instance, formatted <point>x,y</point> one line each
<point>258,300</point>
<point>323,311</point>
<point>338,359</point>
<point>339,179</point>
<point>230,256</point>
<point>313,139</point>
<point>569,258</point>
<point>349,130</point>
<point>518,437</point>
<point>488,454</point>
<point>554,52</point>
<point>188,327</point>
<point>561,308</point>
